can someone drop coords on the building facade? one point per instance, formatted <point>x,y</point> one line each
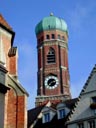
<point>84,113</point>
<point>50,115</point>
<point>74,113</point>
<point>53,70</point>
<point>14,100</point>
<point>3,91</point>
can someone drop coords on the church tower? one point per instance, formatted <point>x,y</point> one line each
<point>53,71</point>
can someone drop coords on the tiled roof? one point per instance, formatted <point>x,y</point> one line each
<point>70,103</point>
<point>33,113</point>
<point>6,26</point>
<point>4,23</point>
<point>55,122</point>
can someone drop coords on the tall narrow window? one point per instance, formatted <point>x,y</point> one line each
<point>46,117</point>
<point>59,37</point>
<point>51,56</point>
<point>81,125</point>
<point>62,113</point>
<point>94,99</point>
<point>91,124</point>
<point>53,36</point>
<point>63,38</point>
<point>47,37</point>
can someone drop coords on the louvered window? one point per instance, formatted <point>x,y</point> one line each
<point>51,56</point>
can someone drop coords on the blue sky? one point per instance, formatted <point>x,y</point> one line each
<point>80,15</point>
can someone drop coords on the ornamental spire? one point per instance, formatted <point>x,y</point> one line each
<point>51,14</point>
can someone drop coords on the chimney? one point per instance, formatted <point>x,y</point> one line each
<point>13,58</point>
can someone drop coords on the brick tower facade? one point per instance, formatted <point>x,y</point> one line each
<point>53,71</point>
<point>15,99</point>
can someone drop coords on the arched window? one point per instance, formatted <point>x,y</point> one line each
<point>63,38</point>
<point>53,36</point>
<point>47,37</point>
<point>59,37</point>
<point>51,56</point>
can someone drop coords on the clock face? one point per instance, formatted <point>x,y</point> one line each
<point>51,82</point>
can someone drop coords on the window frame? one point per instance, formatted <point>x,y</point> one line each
<point>63,38</point>
<point>51,58</point>
<point>47,37</point>
<point>94,99</point>
<point>59,37</point>
<point>61,113</point>
<point>80,125</point>
<point>52,36</point>
<point>91,124</point>
<point>46,117</point>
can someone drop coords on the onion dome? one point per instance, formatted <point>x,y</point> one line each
<point>51,23</point>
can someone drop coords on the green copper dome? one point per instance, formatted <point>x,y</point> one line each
<point>51,23</point>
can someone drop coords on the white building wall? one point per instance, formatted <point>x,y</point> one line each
<point>82,111</point>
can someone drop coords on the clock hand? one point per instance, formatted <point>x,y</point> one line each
<point>52,82</point>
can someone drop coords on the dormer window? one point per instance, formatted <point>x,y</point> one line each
<point>61,113</point>
<point>46,117</point>
<point>47,114</point>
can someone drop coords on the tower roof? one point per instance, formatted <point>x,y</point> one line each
<point>51,23</point>
<point>4,23</point>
